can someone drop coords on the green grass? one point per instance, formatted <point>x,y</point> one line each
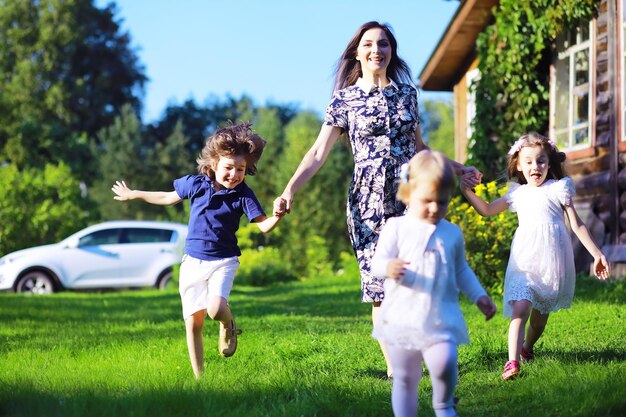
<point>305,351</point>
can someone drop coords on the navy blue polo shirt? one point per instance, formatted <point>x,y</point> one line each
<point>214,216</point>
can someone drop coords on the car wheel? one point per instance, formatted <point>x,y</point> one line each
<point>165,281</point>
<point>35,282</point>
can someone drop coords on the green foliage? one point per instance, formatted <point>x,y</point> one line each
<point>39,207</point>
<point>487,239</point>
<point>318,258</point>
<point>66,70</point>
<point>262,266</point>
<point>319,206</point>
<point>438,126</point>
<point>513,90</point>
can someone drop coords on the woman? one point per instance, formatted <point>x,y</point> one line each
<point>375,104</point>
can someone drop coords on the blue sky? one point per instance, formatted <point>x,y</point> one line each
<point>279,51</point>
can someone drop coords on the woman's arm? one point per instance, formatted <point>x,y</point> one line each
<point>310,164</point>
<point>481,206</point>
<point>600,265</point>
<point>461,170</point>
<point>160,198</point>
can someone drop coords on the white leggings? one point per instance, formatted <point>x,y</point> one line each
<point>441,360</point>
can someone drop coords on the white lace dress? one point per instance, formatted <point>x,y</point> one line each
<point>541,265</point>
<point>422,309</point>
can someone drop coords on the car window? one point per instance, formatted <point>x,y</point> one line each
<point>142,235</point>
<point>101,237</point>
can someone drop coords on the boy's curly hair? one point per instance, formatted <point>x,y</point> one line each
<point>233,140</point>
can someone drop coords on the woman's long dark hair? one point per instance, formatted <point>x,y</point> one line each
<point>348,69</point>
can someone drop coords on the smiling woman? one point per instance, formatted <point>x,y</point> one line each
<point>375,105</point>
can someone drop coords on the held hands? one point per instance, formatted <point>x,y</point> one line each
<point>470,178</point>
<point>601,267</point>
<point>282,206</point>
<point>123,193</point>
<point>396,268</point>
<point>486,306</point>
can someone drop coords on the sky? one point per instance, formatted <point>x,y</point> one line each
<point>275,51</point>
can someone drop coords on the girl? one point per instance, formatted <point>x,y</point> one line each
<point>423,256</point>
<point>375,104</point>
<point>218,198</point>
<point>540,276</point>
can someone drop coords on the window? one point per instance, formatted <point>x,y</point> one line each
<point>471,77</point>
<point>572,82</point>
<point>140,235</point>
<point>101,237</point>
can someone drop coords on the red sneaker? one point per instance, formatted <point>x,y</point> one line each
<point>511,369</point>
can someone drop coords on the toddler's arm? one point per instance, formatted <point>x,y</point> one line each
<point>486,306</point>
<point>395,268</point>
<point>601,267</point>
<point>161,198</point>
<point>482,207</point>
<point>385,262</point>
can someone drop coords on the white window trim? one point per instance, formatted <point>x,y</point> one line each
<point>470,108</point>
<point>571,52</point>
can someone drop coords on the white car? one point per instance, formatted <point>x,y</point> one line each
<point>116,254</point>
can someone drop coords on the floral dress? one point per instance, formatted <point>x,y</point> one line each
<point>541,265</point>
<point>381,127</point>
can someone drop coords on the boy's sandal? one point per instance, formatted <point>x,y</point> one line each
<point>228,339</point>
<point>511,369</point>
<point>526,355</point>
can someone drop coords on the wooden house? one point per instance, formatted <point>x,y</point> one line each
<point>587,110</point>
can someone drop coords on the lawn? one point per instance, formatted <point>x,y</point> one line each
<point>305,351</point>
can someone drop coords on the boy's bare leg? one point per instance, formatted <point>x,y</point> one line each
<point>193,327</point>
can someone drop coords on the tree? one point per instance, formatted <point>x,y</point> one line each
<point>121,155</point>
<point>319,207</point>
<point>438,126</point>
<point>38,207</point>
<point>66,70</point>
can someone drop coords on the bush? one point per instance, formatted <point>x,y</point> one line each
<point>318,258</point>
<point>487,239</point>
<point>262,266</point>
<point>349,265</point>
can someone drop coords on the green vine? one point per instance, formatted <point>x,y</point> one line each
<point>512,94</point>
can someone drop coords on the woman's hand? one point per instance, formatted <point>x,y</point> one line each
<point>470,178</point>
<point>281,206</point>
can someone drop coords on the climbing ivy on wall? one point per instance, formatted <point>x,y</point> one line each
<point>512,94</point>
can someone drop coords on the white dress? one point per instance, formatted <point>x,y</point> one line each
<point>422,308</point>
<point>541,265</point>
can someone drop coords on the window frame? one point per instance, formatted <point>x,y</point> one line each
<point>572,127</point>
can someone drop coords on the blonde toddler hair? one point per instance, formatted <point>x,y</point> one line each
<point>431,167</point>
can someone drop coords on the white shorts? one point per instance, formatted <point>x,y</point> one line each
<point>201,279</point>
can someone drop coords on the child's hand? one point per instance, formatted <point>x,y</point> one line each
<point>471,178</point>
<point>280,207</point>
<point>486,306</point>
<point>601,267</point>
<point>122,192</point>
<point>395,268</point>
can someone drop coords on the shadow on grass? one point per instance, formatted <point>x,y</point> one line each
<point>197,400</point>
